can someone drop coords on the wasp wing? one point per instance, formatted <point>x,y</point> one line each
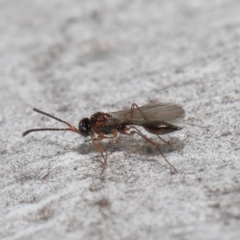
<point>151,112</point>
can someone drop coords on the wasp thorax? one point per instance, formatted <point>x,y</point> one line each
<point>84,128</point>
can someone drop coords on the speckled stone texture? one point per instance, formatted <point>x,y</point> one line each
<point>74,58</point>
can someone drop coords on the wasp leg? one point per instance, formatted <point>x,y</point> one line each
<point>131,110</point>
<point>135,106</point>
<point>167,142</point>
<point>136,131</point>
<point>98,145</point>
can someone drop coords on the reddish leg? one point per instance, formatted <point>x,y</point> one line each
<point>145,118</point>
<point>98,145</point>
<point>136,131</point>
<point>131,111</point>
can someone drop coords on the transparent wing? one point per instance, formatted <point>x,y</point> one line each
<point>151,112</point>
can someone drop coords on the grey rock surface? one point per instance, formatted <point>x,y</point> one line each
<point>74,58</point>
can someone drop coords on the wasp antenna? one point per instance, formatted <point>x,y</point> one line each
<point>70,127</point>
<point>45,129</point>
<point>49,115</point>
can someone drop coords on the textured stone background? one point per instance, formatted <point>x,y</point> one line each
<point>73,58</point>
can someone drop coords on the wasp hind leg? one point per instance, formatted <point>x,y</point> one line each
<point>145,118</point>
<point>133,130</point>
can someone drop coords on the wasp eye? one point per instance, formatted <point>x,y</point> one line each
<point>84,128</point>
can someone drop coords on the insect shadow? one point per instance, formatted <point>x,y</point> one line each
<point>138,147</point>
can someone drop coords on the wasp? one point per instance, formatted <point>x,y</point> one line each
<point>155,118</point>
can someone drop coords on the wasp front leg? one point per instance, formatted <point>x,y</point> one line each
<point>98,145</point>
